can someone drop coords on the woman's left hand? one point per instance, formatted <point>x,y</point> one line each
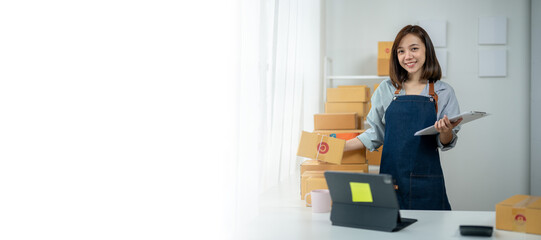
<point>445,126</point>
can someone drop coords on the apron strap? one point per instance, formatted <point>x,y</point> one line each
<point>431,92</point>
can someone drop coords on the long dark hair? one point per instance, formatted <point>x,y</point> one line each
<point>431,68</point>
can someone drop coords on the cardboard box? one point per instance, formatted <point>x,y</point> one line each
<point>384,56</point>
<point>384,49</point>
<point>348,94</point>
<point>383,67</point>
<point>355,156</point>
<point>320,147</point>
<point>323,121</point>
<point>315,165</point>
<point>312,180</point>
<point>519,213</point>
<point>358,156</point>
<point>364,105</point>
<point>364,87</point>
<point>361,108</point>
<point>374,158</point>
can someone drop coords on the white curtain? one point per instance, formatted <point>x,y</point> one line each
<point>294,73</point>
<point>279,85</point>
<point>146,122</point>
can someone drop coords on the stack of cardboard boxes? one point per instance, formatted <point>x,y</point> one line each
<point>349,99</point>
<point>345,110</point>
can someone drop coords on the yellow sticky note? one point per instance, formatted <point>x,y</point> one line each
<point>360,192</point>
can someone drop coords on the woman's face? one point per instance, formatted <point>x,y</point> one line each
<point>411,54</point>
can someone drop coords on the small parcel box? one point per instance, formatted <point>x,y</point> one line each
<point>321,147</point>
<point>519,213</point>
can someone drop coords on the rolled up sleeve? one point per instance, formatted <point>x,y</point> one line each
<point>450,145</point>
<point>448,105</point>
<point>373,137</point>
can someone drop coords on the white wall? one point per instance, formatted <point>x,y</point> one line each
<point>491,160</point>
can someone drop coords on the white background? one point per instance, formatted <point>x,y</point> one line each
<point>116,118</point>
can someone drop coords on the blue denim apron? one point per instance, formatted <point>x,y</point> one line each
<point>413,161</point>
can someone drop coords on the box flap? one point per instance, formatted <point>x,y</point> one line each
<point>310,162</point>
<point>534,202</point>
<point>513,200</point>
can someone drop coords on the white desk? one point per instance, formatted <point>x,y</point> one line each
<point>284,216</point>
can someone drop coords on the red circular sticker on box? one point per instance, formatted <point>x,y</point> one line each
<point>520,219</point>
<point>387,50</point>
<point>323,147</point>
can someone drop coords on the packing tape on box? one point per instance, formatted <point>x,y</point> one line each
<point>319,146</point>
<point>519,213</point>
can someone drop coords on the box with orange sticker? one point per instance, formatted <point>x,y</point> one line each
<point>384,56</point>
<point>384,49</point>
<point>519,213</point>
<point>356,156</point>
<point>321,147</point>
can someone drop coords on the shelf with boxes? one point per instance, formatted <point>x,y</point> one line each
<point>345,109</point>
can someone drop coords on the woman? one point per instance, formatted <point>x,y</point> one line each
<point>412,99</point>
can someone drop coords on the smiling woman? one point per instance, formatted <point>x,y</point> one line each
<point>411,54</point>
<point>411,49</point>
<point>404,104</point>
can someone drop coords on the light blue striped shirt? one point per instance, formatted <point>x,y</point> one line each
<point>373,137</point>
